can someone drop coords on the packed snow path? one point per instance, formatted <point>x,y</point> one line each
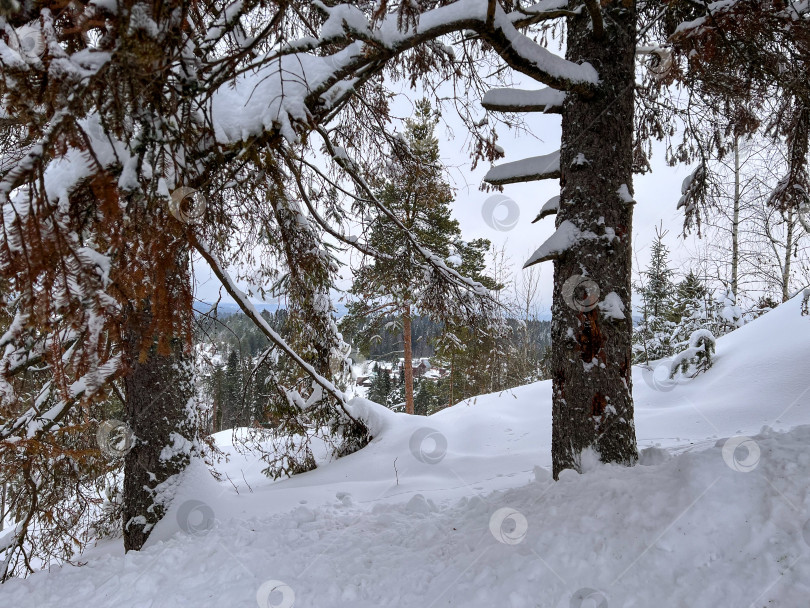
<point>459,509</point>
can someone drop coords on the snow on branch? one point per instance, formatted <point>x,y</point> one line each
<point>294,84</point>
<point>551,207</point>
<point>698,357</point>
<point>565,237</point>
<point>542,11</point>
<point>253,314</point>
<point>535,168</point>
<point>547,100</point>
<point>32,422</point>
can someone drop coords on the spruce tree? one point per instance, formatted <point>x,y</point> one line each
<point>652,338</point>
<point>380,385</point>
<point>691,311</point>
<point>414,190</point>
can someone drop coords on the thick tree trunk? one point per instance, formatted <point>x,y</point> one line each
<point>159,394</point>
<point>406,333</point>
<point>591,360</point>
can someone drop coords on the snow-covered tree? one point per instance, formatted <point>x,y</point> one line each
<point>137,133</point>
<point>691,310</point>
<point>652,337</point>
<point>380,386</point>
<point>696,357</point>
<point>414,192</point>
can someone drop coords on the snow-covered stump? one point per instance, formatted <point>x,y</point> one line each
<point>591,326</point>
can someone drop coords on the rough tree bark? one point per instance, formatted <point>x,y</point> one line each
<point>591,361</point>
<point>408,364</point>
<point>159,393</point>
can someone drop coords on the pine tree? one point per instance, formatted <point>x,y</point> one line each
<point>413,189</point>
<point>652,337</point>
<point>691,311</point>
<point>232,403</point>
<point>475,356</point>
<point>380,385</point>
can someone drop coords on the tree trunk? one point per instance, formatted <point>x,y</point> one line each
<point>735,223</point>
<point>591,361</point>
<point>406,334</point>
<point>215,412</point>
<point>158,409</point>
<point>786,265</point>
<point>452,371</point>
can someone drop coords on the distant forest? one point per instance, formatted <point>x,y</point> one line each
<point>234,331</point>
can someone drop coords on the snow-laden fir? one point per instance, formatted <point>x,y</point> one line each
<point>459,509</point>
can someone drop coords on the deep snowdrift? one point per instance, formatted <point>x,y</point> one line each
<point>459,509</point>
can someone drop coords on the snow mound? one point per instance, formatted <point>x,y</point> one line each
<point>459,509</point>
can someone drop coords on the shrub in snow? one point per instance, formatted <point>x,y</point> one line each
<point>697,357</point>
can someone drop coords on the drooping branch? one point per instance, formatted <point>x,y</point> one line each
<point>34,422</point>
<point>253,314</point>
<point>450,274</point>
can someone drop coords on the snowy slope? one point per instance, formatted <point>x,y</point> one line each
<point>459,510</point>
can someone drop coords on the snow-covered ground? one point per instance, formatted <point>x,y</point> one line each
<point>459,509</point>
